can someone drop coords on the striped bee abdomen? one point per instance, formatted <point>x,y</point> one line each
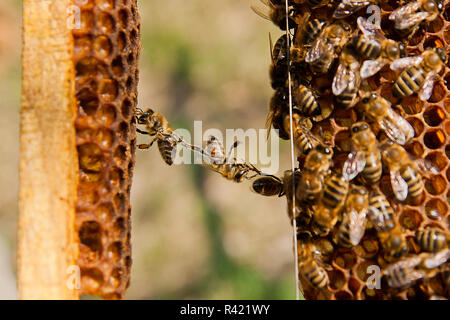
<point>366,48</point>
<point>306,101</point>
<point>409,81</point>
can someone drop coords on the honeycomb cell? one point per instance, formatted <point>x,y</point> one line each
<point>85,4</point>
<point>105,212</point>
<point>120,155</point>
<point>345,259</point>
<point>436,209</point>
<point>343,295</point>
<point>415,148</point>
<point>126,108</point>
<point>437,160</point>
<point>387,93</point>
<point>119,202</point>
<point>410,219</point>
<point>88,101</point>
<point>354,285</point>
<point>447,152</point>
<point>434,139</point>
<point>387,74</point>
<point>105,22</point>
<point>435,26</point>
<point>90,157</point>
<point>123,18</point>
<point>327,107</point>
<point>371,294</point>
<point>87,22</point>
<point>102,47</point>
<point>447,34</point>
<point>87,66</point>
<point>82,47</point>
<point>107,114</point>
<point>87,196</point>
<point>412,105</point>
<point>434,116</point>
<point>374,81</point>
<point>90,235</point>
<point>124,130</point>
<point>417,124</point>
<point>105,4</point>
<point>416,38</point>
<point>122,40</point>
<point>435,185</point>
<point>116,177</point>
<point>119,227</point>
<point>105,138</point>
<point>91,279</point>
<point>337,279</point>
<point>345,117</point>
<point>438,93</point>
<point>114,251</point>
<point>343,141</point>
<point>433,42</point>
<point>367,248</point>
<point>117,67</point>
<point>116,277</point>
<point>108,89</point>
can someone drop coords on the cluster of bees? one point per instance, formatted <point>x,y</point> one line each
<point>322,195</point>
<point>348,196</point>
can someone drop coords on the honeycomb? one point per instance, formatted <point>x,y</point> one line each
<point>106,54</point>
<point>430,120</point>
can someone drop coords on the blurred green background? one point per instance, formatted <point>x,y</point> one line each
<point>195,235</point>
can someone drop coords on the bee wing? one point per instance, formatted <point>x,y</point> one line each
<point>348,7</point>
<point>435,260</point>
<point>393,130</point>
<point>427,88</point>
<point>399,185</point>
<point>260,12</point>
<point>403,63</point>
<point>425,166</point>
<point>411,20</point>
<point>357,223</point>
<point>318,50</point>
<point>341,79</point>
<point>400,13</point>
<point>370,30</point>
<point>354,165</point>
<point>376,217</point>
<point>370,67</point>
<point>410,277</point>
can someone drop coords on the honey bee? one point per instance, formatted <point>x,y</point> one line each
<point>379,110</point>
<point>354,222</point>
<point>310,267</point>
<point>231,169</point>
<point>373,45</point>
<point>366,157</point>
<point>275,11</point>
<point>278,111</point>
<point>347,79</point>
<point>279,66</point>
<point>306,101</point>
<point>404,172</point>
<point>432,239</point>
<point>408,270</point>
<point>407,18</point>
<point>326,211</point>
<point>316,166</point>
<point>419,73</point>
<point>389,232</point>
<point>158,127</point>
<point>304,140</point>
<point>330,41</point>
<point>349,7</point>
<point>273,186</point>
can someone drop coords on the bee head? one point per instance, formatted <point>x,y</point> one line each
<point>402,50</point>
<point>143,117</point>
<point>325,150</point>
<point>360,126</point>
<point>441,53</point>
<point>369,97</point>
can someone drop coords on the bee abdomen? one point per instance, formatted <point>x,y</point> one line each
<point>167,150</point>
<point>373,170</point>
<point>431,240</point>
<point>347,97</point>
<point>313,28</point>
<point>304,143</point>
<point>367,49</point>
<point>343,236</point>
<point>315,274</point>
<point>414,182</point>
<point>307,102</point>
<point>334,192</point>
<point>409,81</point>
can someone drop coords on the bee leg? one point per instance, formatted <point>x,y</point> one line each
<point>142,132</point>
<point>144,146</point>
